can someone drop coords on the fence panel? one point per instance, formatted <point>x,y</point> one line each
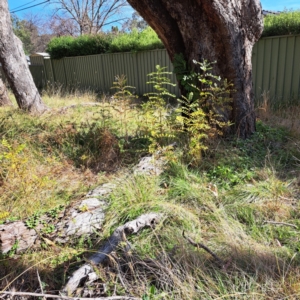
<point>276,68</point>
<point>38,75</point>
<point>36,60</point>
<point>71,69</point>
<point>59,71</point>
<point>295,89</point>
<point>49,71</point>
<point>130,70</point>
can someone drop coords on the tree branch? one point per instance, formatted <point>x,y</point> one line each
<point>200,245</point>
<point>119,235</point>
<point>68,298</point>
<point>281,223</point>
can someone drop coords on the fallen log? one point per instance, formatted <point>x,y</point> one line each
<point>86,272</point>
<point>26,294</point>
<point>81,218</point>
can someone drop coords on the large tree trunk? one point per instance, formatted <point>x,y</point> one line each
<point>15,66</point>
<point>4,99</point>
<point>216,30</point>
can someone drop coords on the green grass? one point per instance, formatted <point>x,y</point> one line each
<point>226,202</point>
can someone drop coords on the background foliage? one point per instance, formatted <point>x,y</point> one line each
<point>64,46</point>
<point>285,23</point>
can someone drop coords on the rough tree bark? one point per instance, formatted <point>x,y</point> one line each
<point>4,99</point>
<point>15,66</point>
<point>216,30</point>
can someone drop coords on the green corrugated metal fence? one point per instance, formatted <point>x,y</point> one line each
<point>38,73</point>
<point>276,68</point>
<point>97,72</point>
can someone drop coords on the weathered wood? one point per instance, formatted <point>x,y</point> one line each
<point>17,235</point>
<point>119,235</point>
<point>154,164</point>
<point>221,31</point>
<point>15,66</point>
<point>81,218</point>
<point>66,297</point>
<point>281,223</point>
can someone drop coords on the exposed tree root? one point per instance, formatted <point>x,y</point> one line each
<point>86,272</point>
<point>66,297</point>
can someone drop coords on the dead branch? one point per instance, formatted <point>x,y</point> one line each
<point>200,245</point>
<point>280,223</point>
<point>119,235</point>
<point>68,298</point>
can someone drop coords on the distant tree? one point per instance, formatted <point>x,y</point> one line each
<point>34,24</point>
<point>115,29</point>
<point>60,26</point>
<point>15,67</point>
<point>91,15</point>
<point>30,31</point>
<point>136,22</point>
<point>4,99</point>
<point>21,30</point>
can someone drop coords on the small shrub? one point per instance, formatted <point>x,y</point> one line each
<point>122,103</point>
<point>157,120</point>
<point>202,108</point>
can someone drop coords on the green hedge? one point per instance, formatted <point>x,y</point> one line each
<point>83,45</point>
<point>285,23</point>
<point>106,43</point>
<point>136,41</point>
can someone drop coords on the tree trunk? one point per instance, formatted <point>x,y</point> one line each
<point>15,66</point>
<point>215,30</point>
<point>4,99</point>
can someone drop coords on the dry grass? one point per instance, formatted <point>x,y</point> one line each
<point>39,166</point>
<point>287,117</point>
<point>225,204</point>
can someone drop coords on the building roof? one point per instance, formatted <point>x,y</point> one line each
<point>44,54</point>
<point>270,12</point>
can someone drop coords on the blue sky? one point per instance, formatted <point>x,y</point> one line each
<point>280,4</point>
<point>276,5</point>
